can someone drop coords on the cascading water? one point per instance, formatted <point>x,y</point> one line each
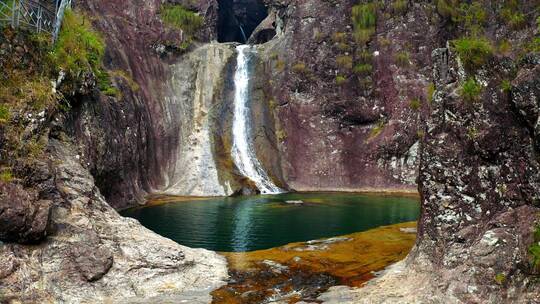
<point>242,151</point>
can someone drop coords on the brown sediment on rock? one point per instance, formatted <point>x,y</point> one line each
<point>301,271</point>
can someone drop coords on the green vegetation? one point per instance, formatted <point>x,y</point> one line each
<point>344,62</point>
<point>180,18</point>
<point>299,68</point>
<point>280,65</point>
<point>512,16</point>
<point>415,104</point>
<point>6,176</point>
<point>471,17</point>
<point>533,46</point>
<point>364,18</point>
<point>506,86</point>
<point>4,10</point>
<point>448,8</point>
<point>365,55</point>
<point>363,69</point>
<point>281,135</point>
<point>339,37</point>
<point>79,47</point>
<point>534,249</point>
<point>471,90</point>
<point>4,114</point>
<point>504,47</point>
<point>377,129</point>
<point>402,58</point>
<point>399,6</point>
<point>474,52</point>
<point>500,278</point>
<point>340,80</point>
<point>429,92</point>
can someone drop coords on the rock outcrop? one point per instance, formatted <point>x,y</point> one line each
<point>199,87</point>
<point>23,218</point>
<point>332,131</point>
<point>93,255</point>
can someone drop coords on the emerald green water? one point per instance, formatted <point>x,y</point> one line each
<point>260,222</point>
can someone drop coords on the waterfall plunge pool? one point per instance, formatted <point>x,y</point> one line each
<point>240,224</point>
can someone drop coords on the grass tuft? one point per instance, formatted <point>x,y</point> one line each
<point>474,52</point>
<point>471,90</point>
<point>180,18</point>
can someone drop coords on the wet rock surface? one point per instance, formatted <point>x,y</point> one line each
<point>300,272</point>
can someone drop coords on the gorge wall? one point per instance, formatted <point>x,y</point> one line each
<point>332,111</point>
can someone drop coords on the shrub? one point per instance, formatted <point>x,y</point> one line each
<point>363,69</point>
<point>180,18</point>
<point>340,80</point>
<point>399,6</point>
<point>364,55</point>
<point>345,62</point>
<point>364,15</point>
<point>514,19</point>
<point>4,114</point>
<point>415,104</point>
<point>471,16</point>
<point>512,16</point>
<point>402,59</point>
<point>447,8</point>
<point>474,52</point>
<point>6,176</point>
<point>364,18</point>
<point>471,90</point>
<point>533,46</point>
<point>78,47</point>
<point>504,47</point>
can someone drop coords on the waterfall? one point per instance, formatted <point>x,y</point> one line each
<point>242,151</point>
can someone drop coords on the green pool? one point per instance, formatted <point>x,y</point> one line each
<point>259,222</point>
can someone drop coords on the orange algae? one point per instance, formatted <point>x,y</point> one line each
<point>313,266</point>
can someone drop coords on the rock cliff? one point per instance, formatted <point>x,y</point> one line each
<point>341,103</point>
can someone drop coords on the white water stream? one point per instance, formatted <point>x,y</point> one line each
<point>242,151</point>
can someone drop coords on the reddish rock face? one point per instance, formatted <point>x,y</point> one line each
<point>345,136</point>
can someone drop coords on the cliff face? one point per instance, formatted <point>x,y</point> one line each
<point>336,125</point>
<point>331,113</point>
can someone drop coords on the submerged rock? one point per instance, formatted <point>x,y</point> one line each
<point>298,202</point>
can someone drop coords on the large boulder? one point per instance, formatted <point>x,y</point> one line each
<point>23,219</point>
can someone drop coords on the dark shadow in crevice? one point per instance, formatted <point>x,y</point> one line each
<point>237,19</point>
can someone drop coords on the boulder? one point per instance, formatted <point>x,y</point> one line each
<point>23,219</point>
